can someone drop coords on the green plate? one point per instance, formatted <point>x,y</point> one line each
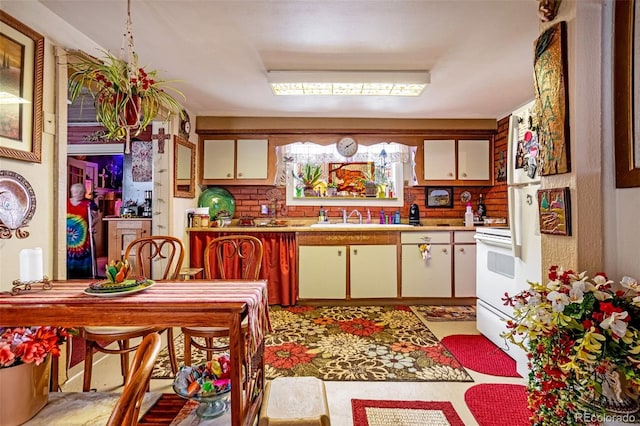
<point>120,291</point>
<point>108,286</point>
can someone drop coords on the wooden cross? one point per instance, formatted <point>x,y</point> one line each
<point>103,178</point>
<point>161,137</point>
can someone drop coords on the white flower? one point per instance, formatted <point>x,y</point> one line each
<point>630,283</point>
<point>599,280</point>
<point>615,323</point>
<point>576,294</point>
<point>636,300</point>
<point>554,285</point>
<point>558,300</point>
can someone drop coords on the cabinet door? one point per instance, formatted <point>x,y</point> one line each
<point>464,261</point>
<point>373,271</point>
<point>252,158</point>
<point>322,272</point>
<point>473,160</point>
<point>439,159</point>
<point>426,277</point>
<point>218,159</point>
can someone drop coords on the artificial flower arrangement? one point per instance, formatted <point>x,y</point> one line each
<point>127,97</point>
<point>583,343</point>
<point>25,345</point>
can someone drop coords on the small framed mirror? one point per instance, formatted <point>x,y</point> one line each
<point>184,168</point>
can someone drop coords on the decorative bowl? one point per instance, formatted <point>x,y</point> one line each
<point>209,384</point>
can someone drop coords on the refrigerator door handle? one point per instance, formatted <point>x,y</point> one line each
<point>515,216</point>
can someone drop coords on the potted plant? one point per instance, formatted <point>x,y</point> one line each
<point>127,97</point>
<point>309,176</point>
<point>332,189</point>
<point>24,369</point>
<point>583,339</point>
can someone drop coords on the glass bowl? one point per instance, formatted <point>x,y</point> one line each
<point>200,384</point>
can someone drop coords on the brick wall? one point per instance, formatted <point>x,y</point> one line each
<point>249,198</point>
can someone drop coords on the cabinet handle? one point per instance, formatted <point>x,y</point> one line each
<point>450,174</point>
<point>239,174</point>
<point>355,251</point>
<point>339,252</point>
<point>444,250</point>
<point>464,175</point>
<point>427,239</point>
<point>462,250</point>
<point>228,174</point>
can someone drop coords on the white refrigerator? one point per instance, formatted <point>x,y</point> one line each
<point>523,183</point>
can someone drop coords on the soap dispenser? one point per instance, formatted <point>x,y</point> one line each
<point>468,216</point>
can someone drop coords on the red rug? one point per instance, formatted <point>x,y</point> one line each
<point>498,404</point>
<point>476,352</point>
<point>369,412</point>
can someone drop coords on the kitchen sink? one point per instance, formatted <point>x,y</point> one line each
<point>358,225</point>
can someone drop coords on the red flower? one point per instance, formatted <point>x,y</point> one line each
<point>287,356</point>
<point>360,327</point>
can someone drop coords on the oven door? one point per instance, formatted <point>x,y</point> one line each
<point>495,270</point>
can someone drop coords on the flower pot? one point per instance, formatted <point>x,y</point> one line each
<point>24,391</point>
<point>132,112</point>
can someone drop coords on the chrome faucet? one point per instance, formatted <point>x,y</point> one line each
<point>345,218</point>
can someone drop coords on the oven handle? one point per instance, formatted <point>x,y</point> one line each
<point>493,241</point>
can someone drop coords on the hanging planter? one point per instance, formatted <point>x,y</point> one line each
<point>127,97</point>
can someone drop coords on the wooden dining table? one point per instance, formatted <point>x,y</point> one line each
<point>197,303</point>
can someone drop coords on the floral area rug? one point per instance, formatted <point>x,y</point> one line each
<point>445,313</point>
<point>364,343</point>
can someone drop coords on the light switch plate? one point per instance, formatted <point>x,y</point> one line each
<point>49,123</point>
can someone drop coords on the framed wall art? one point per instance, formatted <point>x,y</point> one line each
<point>22,52</point>
<point>554,211</point>
<point>438,196</point>
<point>552,100</point>
<point>351,177</point>
<point>626,75</point>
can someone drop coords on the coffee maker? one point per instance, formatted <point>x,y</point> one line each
<point>414,215</point>
<point>146,209</point>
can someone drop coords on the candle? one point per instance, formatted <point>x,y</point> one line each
<point>31,268</point>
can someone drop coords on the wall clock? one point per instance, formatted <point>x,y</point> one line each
<point>185,125</point>
<point>347,146</point>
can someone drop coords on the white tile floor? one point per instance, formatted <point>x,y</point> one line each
<point>106,377</point>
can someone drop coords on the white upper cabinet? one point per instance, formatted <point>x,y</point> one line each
<point>440,159</point>
<point>448,161</point>
<point>234,161</point>
<point>473,160</point>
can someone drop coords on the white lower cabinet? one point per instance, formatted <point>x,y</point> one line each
<point>464,261</point>
<point>373,271</point>
<point>430,276</point>
<point>426,277</point>
<point>322,272</point>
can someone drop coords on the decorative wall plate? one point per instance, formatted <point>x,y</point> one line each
<point>465,196</point>
<point>17,204</point>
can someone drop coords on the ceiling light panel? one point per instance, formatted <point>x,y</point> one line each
<point>348,83</point>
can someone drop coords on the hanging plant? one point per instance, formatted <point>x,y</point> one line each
<point>126,97</point>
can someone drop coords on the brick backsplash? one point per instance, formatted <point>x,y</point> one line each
<point>250,198</point>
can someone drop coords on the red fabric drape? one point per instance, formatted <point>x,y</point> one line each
<point>278,263</point>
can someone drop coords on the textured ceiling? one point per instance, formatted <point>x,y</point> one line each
<point>479,52</point>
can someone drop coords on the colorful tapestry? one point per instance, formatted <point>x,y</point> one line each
<point>79,258</point>
<point>142,161</point>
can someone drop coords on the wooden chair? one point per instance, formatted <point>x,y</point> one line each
<point>236,257</point>
<point>140,253</point>
<point>128,406</point>
<point>66,408</point>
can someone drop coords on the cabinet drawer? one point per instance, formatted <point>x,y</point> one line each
<point>425,237</point>
<point>130,224</point>
<point>464,237</point>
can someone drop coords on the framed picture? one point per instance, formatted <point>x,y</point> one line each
<point>554,211</point>
<point>351,177</point>
<point>22,51</point>
<point>626,76</point>
<point>552,100</point>
<point>438,196</point>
